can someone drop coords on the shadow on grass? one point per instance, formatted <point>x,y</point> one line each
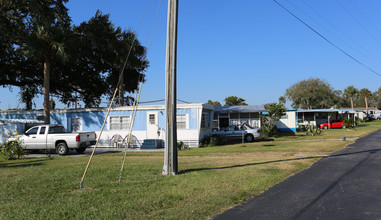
<point>26,162</point>
<point>336,154</point>
<point>247,164</point>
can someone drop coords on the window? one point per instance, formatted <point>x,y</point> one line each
<point>151,119</point>
<point>76,124</point>
<point>205,120</point>
<point>125,122</point>
<point>57,130</point>
<point>181,121</point>
<point>42,130</point>
<point>32,131</point>
<point>119,122</point>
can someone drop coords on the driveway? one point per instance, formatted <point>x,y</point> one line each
<point>344,185</point>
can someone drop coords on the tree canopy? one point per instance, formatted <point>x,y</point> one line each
<point>42,52</point>
<point>313,93</point>
<point>234,100</point>
<point>215,103</point>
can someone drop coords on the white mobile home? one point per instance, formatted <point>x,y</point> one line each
<point>193,122</point>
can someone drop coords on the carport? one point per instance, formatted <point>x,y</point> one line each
<point>318,116</point>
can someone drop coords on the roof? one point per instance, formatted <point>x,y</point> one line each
<point>21,121</point>
<point>104,109</point>
<point>239,108</point>
<point>327,110</point>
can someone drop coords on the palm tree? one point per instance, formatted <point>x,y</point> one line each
<point>365,93</point>
<point>351,91</point>
<point>46,44</point>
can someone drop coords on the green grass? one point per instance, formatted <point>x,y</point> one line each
<point>211,180</point>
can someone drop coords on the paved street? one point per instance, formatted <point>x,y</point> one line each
<point>344,185</point>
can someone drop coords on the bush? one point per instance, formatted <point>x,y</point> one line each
<point>181,145</point>
<point>312,130</point>
<point>212,140</point>
<point>268,128</point>
<point>12,149</point>
<point>349,123</point>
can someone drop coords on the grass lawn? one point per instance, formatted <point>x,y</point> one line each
<point>211,180</point>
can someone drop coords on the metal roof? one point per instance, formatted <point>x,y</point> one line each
<point>239,108</point>
<point>327,110</point>
<point>21,121</point>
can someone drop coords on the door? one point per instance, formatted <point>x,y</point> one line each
<point>41,138</point>
<point>152,125</point>
<point>29,139</point>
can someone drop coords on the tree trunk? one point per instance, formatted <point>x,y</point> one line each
<point>46,91</point>
<point>352,102</point>
<point>121,88</point>
<point>366,105</point>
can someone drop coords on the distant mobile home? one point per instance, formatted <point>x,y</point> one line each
<point>194,121</point>
<point>303,117</point>
<point>235,115</point>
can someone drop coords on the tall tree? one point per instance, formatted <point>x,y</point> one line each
<point>38,38</point>
<point>366,93</point>
<point>351,92</point>
<point>234,100</point>
<point>39,35</point>
<point>313,93</point>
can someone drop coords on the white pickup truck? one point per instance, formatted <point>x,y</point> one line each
<point>47,137</point>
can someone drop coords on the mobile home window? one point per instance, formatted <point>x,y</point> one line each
<point>119,122</point>
<point>124,122</point>
<point>75,124</point>
<point>181,121</point>
<point>151,119</point>
<point>204,120</point>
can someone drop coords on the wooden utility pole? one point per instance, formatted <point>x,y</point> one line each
<point>170,155</point>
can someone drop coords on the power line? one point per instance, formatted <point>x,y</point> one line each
<point>320,35</point>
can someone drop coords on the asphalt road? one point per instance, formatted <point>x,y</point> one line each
<point>344,185</point>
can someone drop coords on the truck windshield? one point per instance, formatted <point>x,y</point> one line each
<point>56,130</point>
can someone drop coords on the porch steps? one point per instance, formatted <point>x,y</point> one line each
<point>151,144</point>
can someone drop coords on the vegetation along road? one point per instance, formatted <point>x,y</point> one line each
<point>211,179</point>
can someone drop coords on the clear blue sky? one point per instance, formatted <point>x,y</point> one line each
<point>250,49</point>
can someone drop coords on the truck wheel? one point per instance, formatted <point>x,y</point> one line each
<point>61,148</point>
<point>325,127</point>
<point>80,150</point>
<point>249,138</point>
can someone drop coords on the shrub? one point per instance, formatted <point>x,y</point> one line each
<point>212,140</point>
<point>268,128</point>
<point>349,123</point>
<point>181,145</point>
<point>312,130</point>
<point>12,149</point>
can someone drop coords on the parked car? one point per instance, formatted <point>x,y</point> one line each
<point>240,131</point>
<point>46,137</point>
<point>337,123</point>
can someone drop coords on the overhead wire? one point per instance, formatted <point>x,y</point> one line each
<point>358,22</point>
<point>364,52</point>
<point>366,17</point>
<point>326,39</point>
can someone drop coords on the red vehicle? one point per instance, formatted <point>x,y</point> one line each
<point>338,123</point>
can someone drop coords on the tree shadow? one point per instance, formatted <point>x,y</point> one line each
<point>26,162</point>
<point>277,161</point>
<point>247,164</point>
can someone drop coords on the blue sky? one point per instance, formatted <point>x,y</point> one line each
<point>251,49</point>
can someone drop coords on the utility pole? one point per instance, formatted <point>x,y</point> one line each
<point>170,154</point>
